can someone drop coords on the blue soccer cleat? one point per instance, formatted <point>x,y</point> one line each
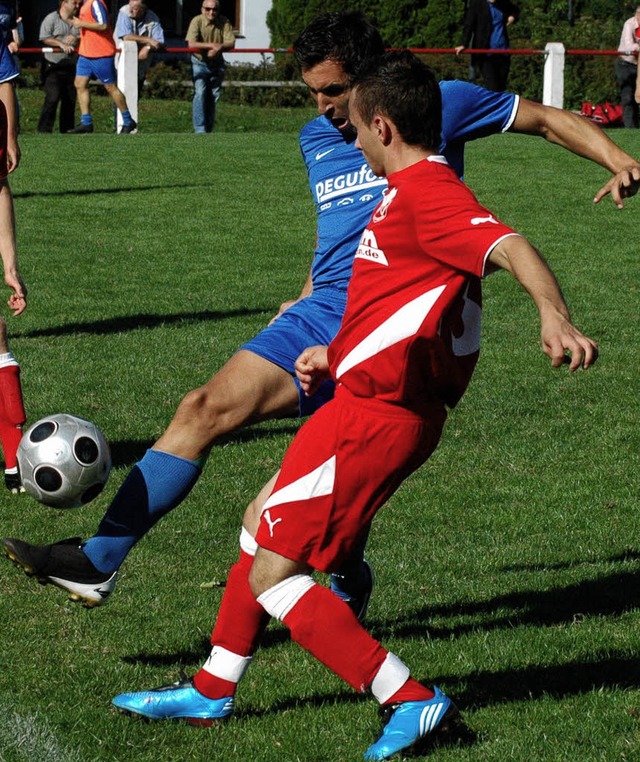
<point>355,592</point>
<point>178,701</point>
<point>410,722</point>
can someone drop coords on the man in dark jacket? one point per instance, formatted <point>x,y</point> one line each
<point>485,23</point>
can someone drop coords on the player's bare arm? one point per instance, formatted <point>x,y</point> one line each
<point>582,137</point>
<point>312,368</point>
<point>8,98</point>
<point>558,334</point>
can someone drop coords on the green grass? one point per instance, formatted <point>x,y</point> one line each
<point>508,567</point>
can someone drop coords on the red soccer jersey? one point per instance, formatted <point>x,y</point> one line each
<point>411,330</point>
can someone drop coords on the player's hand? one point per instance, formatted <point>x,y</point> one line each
<point>312,368</point>
<point>623,184</point>
<point>560,336</point>
<point>18,300</point>
<point>13,155</point>
<point>458,49</point>
<point>283,308</point>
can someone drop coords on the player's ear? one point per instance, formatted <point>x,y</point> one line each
<point>382,128</point>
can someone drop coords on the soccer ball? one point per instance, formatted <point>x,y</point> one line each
<point>64,461</point>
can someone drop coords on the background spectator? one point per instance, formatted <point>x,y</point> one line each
<point>59,68</point>
<point>137,23</point>
<point>485,27</point>
<point>212,33</point>
<point>627,68</point>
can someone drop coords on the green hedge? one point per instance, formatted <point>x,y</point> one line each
<point>594,25</point>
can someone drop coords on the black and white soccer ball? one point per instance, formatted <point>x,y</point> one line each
<point>64,461</point>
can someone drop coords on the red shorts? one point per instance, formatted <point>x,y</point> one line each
<point>343,465</point>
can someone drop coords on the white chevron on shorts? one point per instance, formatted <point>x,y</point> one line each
<point>401,325</point>
<point>314,484</point>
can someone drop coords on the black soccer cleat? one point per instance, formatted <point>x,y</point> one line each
<point>81,129</point>
<point>13,483</point>
<point>127,129</point>
<point>65,565</point>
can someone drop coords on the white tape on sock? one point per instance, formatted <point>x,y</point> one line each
<point>247,542</point>
<point>281,598</point>
<point>391,676</point>
<point>226,665</point>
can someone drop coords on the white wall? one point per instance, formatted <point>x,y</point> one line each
<point>253,30</point>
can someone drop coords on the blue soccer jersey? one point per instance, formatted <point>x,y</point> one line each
<point>8,65</point>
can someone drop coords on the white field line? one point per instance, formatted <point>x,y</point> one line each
<point>28,737</point>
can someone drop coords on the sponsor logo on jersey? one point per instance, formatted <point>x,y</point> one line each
<point>345,201</point>
<point>366,197</point>
<point>324,207</point>
<point>482,220</point>
<point>381,212</point>
<point>350,182</point>
<point>322,154</point>
<point>368,249</point>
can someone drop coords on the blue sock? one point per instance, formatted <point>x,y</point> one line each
<point>154,486</point>
<point>127,118</point>
<point>87,120</point>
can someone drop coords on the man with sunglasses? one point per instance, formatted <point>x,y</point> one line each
<point>211,33</point>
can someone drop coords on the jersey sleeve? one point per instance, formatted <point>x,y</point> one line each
<point>465,232</point>
<point>98,12</point>
<point>470,112</point>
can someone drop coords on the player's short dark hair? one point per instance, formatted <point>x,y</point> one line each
<point>348,38</point>
<point>404,89</point>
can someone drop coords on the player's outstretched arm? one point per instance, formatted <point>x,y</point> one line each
<point>558,334</point>
<point>582,137</point>
<point>312,368</point>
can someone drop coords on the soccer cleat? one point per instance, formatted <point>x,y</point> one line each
<point>12,483</point>
<point>65,565</point>
<point>126,129</point>
<point>355,594</point>
<point>412,721</point>
<point>178,701</point>
<point>81,129</point>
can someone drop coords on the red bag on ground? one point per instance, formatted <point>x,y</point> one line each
<point>605,114</point>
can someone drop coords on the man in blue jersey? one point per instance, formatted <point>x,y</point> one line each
<point>258,382</point>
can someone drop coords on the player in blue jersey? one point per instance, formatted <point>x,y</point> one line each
<point>259,382</point>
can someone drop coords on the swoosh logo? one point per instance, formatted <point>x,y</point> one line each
<point>322,154</point>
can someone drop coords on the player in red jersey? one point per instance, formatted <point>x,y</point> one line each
<point>405,353</point>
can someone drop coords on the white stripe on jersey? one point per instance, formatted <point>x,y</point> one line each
<point>401,325</point>
<point>98,12</point>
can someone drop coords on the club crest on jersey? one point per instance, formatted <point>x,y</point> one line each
<point>368,249</point>
<point>381,212</point>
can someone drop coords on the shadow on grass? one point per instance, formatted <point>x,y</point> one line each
<point>136,322</point>
<point>128,452</point>
<point>610,595</point>
<point>91,191</point>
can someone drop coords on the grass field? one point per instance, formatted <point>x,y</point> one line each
<point>508,568</point>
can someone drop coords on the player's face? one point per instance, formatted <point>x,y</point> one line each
<point>329,85</point>
<point>368,141</point>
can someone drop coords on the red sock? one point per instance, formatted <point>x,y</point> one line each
<point>238,629</point>
<point>326,627</point>
<point>412,690</point>
<point>12,414</point>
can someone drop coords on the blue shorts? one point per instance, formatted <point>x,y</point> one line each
<point>313,320</point>
<point>103,69</point>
